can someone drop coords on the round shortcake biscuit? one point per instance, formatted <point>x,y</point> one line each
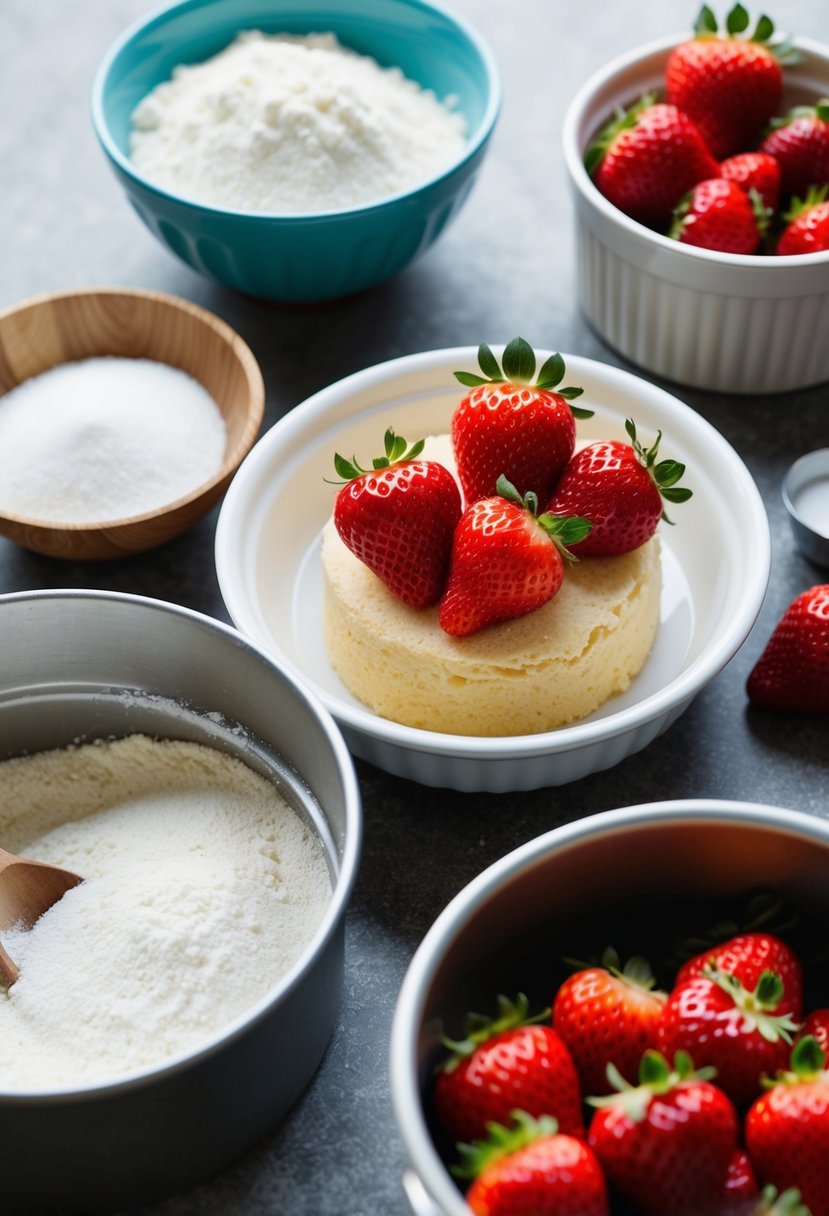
<point>549,668</point>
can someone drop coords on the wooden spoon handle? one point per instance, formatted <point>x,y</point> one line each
<point>8,968</point>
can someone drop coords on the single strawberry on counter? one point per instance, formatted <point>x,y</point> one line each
<point>619,487</point>
<point>787,1129</point>
<point>755,171</point>
<point>608,1014</point>
<point>647,158</point>
<point>506,561</point>
<point>532,1169</point>
<point>399,518</point>
<point>799,142</point>
<point>792,673</point>
<point>502,1064</point>
<point>667,1144</point>
<point>807,224</point>
<point>514,423</point>
<point>730,83</point>
<point>718,214</point>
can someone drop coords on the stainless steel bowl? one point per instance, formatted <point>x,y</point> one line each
<point>80,665</point>
<point>628,878</point>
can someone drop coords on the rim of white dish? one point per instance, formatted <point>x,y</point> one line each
<point>160,15</point>
<point>404,1058</point>
<point>574,160</point>
<point>676,692</point>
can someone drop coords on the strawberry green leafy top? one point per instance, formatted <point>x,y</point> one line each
<point>396,449</point>
<point>480,1029</point>
<point>737,22</point>
<point>502,1142</point>
<point>519,367</point>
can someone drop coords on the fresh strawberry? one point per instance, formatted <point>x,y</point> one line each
<point>807,224</point>
<point>787,1129</point>
<point>718,214</point>
<point>399,518</point>
<point>506,561</point>
<point>619,487</point>
<point>532,1169</point>
<point>514,423</point>
<point>647,158</point>
<point>755,171</point>
<point>800,143</point>
<point>667,1144</point>
<point>729,85</point>
<point>608,1014</point>
<point>817,1025</point>
<point>740,1186</point>
<point>746,956</point>
<point>741,1032</point>
<point>792,673</point>
<point>503,1064</point>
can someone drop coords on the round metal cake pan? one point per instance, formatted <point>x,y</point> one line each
<point>81,665</point>
<point>633,878</point>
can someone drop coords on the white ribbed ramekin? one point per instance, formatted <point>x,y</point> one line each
<point>726,322</point>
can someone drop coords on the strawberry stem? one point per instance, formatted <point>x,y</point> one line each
<point>562,530</point>
<point>502,1141</point>
<point>396,450</point>
<point>665,474</point>
<point>637,971</point>
<point>808,1058</point>
<point>623,120</point>
<point>758,1005</point>
<point>519,366</point>
<point>819,110</point>
<point>706,22</point>
<point>479,1029</point>
<point>786,1203</point>
<point>807,1063</point>
<point>737,23</point>
<point>655,1077</point>
<point>797,206</point>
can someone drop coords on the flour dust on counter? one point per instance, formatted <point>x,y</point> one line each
<point>202,889</point>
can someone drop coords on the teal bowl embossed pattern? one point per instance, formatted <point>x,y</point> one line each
<point>322,255</point>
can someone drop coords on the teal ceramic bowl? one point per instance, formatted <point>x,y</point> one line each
<point>322,255</point>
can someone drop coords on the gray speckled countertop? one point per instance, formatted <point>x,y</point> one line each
<point>505,267</point>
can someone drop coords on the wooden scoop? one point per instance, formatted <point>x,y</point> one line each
<point>27,890</point>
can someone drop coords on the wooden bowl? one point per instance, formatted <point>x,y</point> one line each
<point>62,327</point>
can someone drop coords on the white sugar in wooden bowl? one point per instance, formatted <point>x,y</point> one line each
<point>161,497</point>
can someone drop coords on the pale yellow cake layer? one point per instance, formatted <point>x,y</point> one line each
<point>544,670</point>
